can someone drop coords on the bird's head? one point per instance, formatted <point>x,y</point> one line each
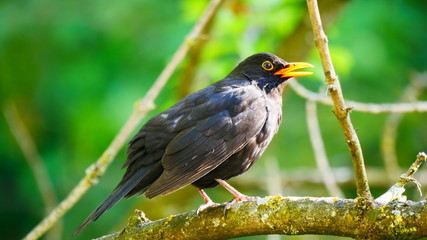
<point>268,70</point>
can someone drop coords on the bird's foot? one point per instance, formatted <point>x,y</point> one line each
<point>208,202</point>
<point>238,198</point>
<point>206,206</point>
<point>242,197</point>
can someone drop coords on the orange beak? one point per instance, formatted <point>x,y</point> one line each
<point>287,71</point>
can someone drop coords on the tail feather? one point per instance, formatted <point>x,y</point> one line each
<point>118,193</point>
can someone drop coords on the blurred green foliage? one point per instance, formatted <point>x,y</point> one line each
<point>74,70</point>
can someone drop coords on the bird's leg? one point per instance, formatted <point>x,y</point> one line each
<point>237,195</point>
<point>208,202</point>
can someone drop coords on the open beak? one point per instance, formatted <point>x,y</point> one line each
<point>287,71</point>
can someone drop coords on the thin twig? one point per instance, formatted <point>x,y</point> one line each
<point>388,140</point>
<point>421,157</point>
<point>388,145</point>
<point>397,190</point>
<point>31,154</point>
<point>143,106</point>
<point>340,110</point>
<point>193,60</point>
<point>295,45</point>
<point>308,177</point>
<point>29,149</point>
<point>374,108</point>
<point>273,176</point>
<point>319,151</point>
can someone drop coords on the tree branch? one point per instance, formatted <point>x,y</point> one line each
<point>374,108</point>
<point>193,60</point>
<point>388,139</point>
<point>306,176</point>
<point>397,190</point>
<point>286,215</point>
<point>273,177</point>
<point>35,161</point>
<point>142,107</point>
<point>319,151</point>
<point>340,110</point>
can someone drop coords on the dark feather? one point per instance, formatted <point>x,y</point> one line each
<point>118,193</point>
<point>186,162</point>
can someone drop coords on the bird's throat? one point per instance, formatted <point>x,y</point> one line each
<point>268,85</point>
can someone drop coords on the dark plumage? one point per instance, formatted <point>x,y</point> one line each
<point>209,136</point>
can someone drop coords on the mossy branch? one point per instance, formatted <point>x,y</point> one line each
<point>286,215</point>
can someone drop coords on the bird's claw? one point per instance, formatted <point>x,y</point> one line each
<point>239,198</point>
<point>243,197</point>
<point>205,206</point>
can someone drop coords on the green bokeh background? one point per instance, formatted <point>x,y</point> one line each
<point>75,68</point>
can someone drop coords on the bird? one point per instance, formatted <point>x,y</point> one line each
<point>207,137</point>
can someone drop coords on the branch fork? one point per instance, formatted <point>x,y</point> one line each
<point>396,191</point>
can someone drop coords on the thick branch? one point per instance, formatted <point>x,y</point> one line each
<point>340,110</point>
<point>143,106</point>
<point>289,216</point>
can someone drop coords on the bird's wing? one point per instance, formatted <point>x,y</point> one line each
<point>220,127</point>
<point>143,164</point>
<point>145,152</point>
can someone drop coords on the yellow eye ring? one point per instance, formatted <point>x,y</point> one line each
<point>267,65</point>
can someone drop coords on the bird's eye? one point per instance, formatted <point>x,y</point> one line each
<point>267,65</point>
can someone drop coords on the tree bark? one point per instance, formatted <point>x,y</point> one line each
<point>288,216</point>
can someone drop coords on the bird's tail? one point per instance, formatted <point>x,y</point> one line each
<point>118,193</point>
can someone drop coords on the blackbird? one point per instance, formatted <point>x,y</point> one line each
<point>208,136</point>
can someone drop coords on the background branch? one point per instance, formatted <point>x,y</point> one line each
<point>340,110</point>
<point>319,151</point>
<point>190,66</point>
<point>35,162</point>
<point>418,82</point>
<point>273,177</point>
<point>143,106</point>
<point>297,177</point>
<point>298,44</point>
<point>374,108</point>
